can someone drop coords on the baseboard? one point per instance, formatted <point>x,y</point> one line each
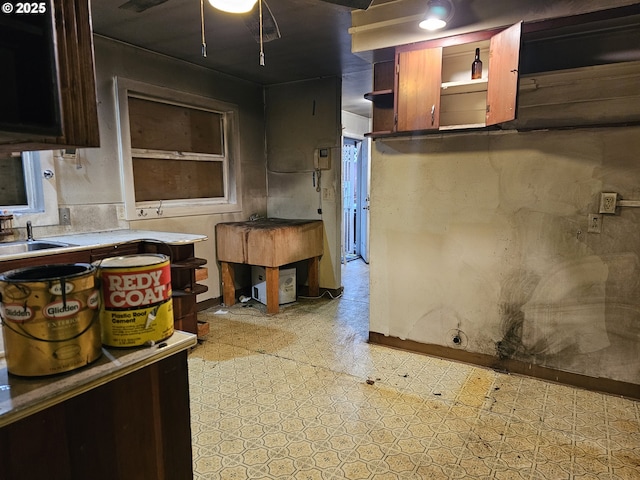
<point>603,385</point>
<point>208,303</point>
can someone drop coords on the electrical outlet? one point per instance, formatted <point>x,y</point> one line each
<point>595,223</point>
<point>608,202</point>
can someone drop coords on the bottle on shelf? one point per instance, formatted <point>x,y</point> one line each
<point>476,66</point>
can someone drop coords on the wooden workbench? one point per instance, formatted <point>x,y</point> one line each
<point>270,243</point>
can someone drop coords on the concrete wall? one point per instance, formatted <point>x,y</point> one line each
<point>484,236</point>
<point>91,185</point>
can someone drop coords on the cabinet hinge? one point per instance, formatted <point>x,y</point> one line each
<point>488,108</point>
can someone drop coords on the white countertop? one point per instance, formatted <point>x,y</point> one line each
<point>84,241</point>
<point>115,237</point>
<point>24,396</point>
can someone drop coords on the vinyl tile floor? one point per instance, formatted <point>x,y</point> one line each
<point>302,395</point>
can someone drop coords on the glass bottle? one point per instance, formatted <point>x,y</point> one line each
<point>476,66</point>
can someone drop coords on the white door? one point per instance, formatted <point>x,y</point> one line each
<point>364,184</point>
<point>355,198</point>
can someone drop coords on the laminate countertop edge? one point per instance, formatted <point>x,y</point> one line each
<point>24,396</point>
<point>88,240</point>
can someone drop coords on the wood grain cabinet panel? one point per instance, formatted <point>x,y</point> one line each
<point>433,90</point>
<point>502,89</point>
<point>76,84</point>
<point>418,90</point>
<point>134,427</point>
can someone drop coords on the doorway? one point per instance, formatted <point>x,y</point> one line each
<point>355,200</point>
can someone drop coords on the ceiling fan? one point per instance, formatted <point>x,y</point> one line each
<point>259,20</point>
<point>264,27</point>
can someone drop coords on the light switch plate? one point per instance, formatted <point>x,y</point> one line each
<point>595,223</point>
<point>64,216</point>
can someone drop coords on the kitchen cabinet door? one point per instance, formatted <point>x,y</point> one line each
<point>434,91</point>
<point>74,92</point>
<point>418,82</point>
<point>502,89</point>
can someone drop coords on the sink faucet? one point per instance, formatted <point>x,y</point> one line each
<point>29,231</point>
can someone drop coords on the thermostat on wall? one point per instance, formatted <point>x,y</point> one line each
<point>322,158</point>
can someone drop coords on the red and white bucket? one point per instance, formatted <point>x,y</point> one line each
<point>136,307</point>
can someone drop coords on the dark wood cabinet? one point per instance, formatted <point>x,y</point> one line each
<point>185,268</point>
<point>432,89</point>
<point>134,427</point>
<point>74,94</point>
<point>101,253</point>
<point>70,257</point>
<point>382,98</point>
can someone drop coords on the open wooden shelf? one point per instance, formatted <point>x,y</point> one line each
<point>472,86</point>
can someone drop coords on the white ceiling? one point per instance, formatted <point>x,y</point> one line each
<point>314,41</point>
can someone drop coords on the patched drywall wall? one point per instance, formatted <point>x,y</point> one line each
<point>480,241</point>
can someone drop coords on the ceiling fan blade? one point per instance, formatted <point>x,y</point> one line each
<point>355,4</point>
<point>270,30</point>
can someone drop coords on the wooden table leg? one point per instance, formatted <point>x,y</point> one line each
<point>273,287</point>
<point>228,284</point>
<point>314,276</point>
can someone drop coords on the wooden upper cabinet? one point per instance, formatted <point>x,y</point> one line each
<point>65,81</point>
<point>433,90</point>
<point>418,82</point>
<point>502,90</point>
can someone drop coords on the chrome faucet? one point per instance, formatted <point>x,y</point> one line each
<point>29,231</point>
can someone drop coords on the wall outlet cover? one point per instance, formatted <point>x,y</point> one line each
<point>608,202</point>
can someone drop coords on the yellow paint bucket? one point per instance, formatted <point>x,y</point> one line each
<point>50,318</point>
<point>136,307</point>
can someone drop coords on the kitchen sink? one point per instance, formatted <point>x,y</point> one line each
<point>12,248</point>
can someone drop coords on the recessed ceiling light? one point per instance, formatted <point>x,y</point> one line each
<point>439,12</point>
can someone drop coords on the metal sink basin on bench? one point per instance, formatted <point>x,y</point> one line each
<point>12,248</point>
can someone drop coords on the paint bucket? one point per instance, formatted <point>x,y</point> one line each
<point>136,307</point>
<point>50,318</point>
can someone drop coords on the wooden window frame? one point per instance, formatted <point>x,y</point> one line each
<point>133,210</point>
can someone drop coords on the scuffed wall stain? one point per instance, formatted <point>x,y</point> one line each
<point>566,308</point>
<point>517,289</point>
<point>579,313</point>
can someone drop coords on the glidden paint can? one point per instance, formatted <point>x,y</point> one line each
<point>50,318</point>
<point>136,307</point>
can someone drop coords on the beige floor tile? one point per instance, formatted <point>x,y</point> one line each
<point>302,395</point>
